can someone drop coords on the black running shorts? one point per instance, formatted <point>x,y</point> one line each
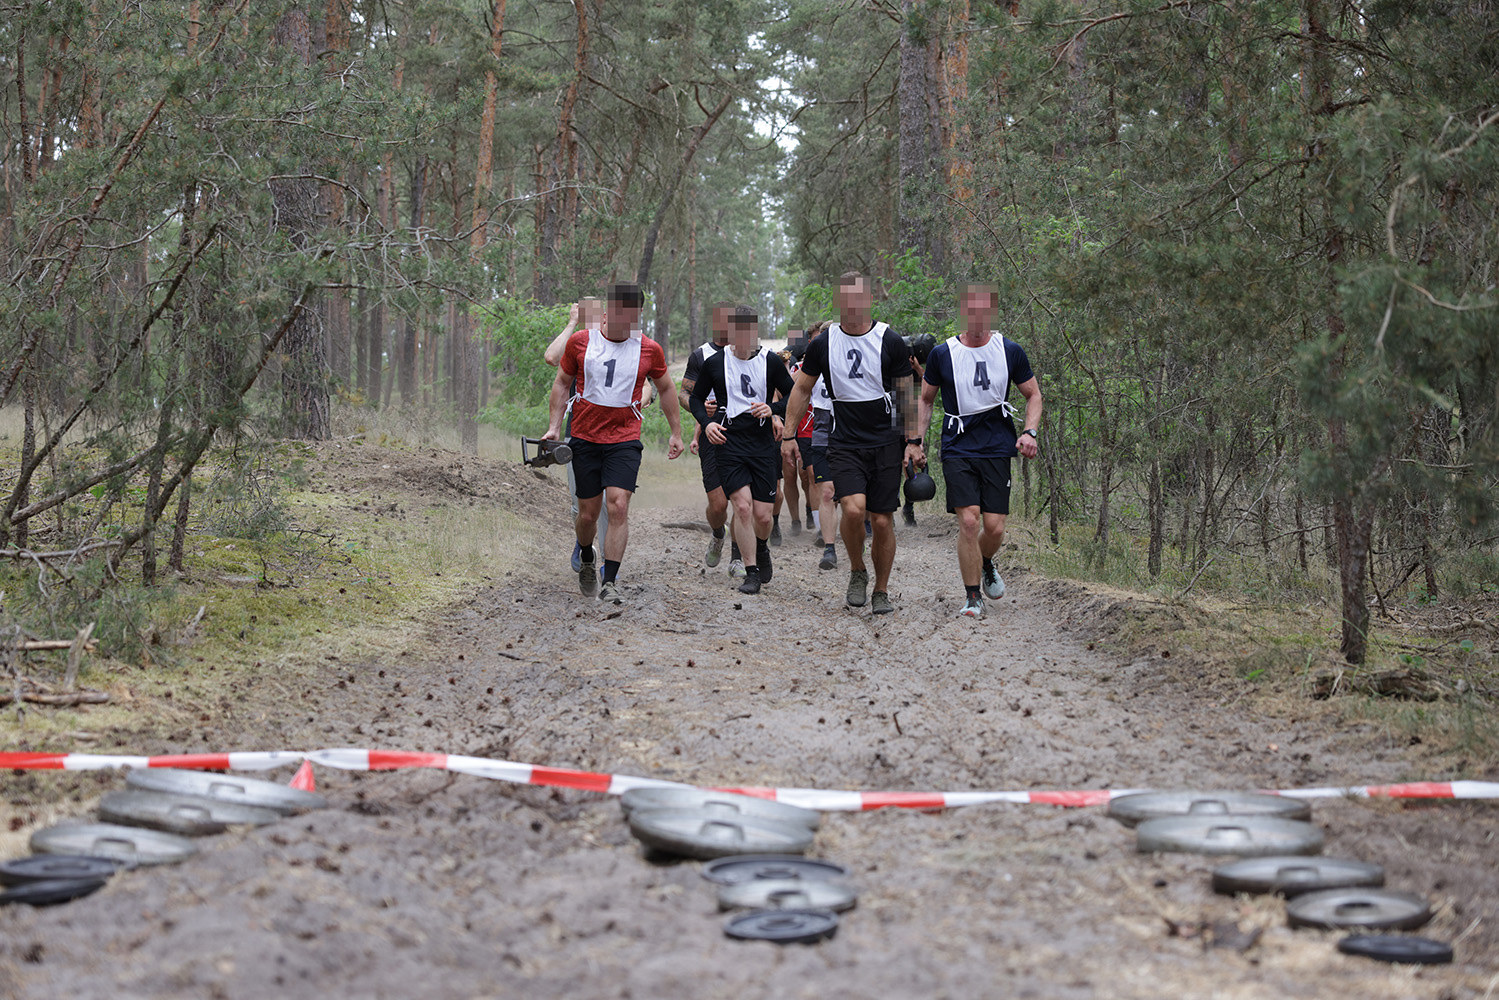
<point>874,472</point>
<point>804,445</point>
<point>819,462</point>
<point>707,456</point>
<point>977,482</point>
<point>759,470</point>
<point>597,466</point>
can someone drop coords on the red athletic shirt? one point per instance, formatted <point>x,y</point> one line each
<point>805,430</point>
<point>608,424</point>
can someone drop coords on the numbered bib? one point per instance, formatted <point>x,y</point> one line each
<point>820,398</point>
<point>854,364</point>
<point>981,375</point>
<point>610,371</point>
<point>744,382</point>
<point>709,349</point>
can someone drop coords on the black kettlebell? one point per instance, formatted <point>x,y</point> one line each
<point>919,485</point>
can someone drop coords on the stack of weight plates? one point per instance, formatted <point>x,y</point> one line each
<point>150,823</point>
<point>790,900</point>
<point>695,823</point>
<point>1245,824</point>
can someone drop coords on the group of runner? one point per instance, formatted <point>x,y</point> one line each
<point>849,405</point>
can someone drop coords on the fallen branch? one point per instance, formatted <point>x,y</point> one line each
<point>71,698</point>
<point>44,645</point>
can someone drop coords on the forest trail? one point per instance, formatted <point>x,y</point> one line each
<point>427,884</point>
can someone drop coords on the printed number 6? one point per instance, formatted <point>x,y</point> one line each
<point>746,389</point>
<point>853,369</point>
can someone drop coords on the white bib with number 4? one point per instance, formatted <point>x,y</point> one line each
<point>981,376</point>
<point>610,370</point>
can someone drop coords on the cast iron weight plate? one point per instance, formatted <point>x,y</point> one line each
<point>1245,836</point>
<point>786,894</point>
<point>1292,876</point>
<point>52,867</point>
<point>1358,909</point>
<point>110,840</point>
<point>693,833</point>
<point>1397,948</point>
<point>728,804</point>
<point>191,816</point>
<point>1134,809</point>
<point>225,788</point>
<point>52,891</point>
<point>750,867</point>
<point>783,926</point>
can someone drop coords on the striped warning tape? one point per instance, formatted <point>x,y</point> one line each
<point>349,759</point>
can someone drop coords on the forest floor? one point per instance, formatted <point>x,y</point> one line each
<point>423,883</point>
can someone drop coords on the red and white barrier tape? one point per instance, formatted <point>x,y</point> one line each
<point>348,759</point>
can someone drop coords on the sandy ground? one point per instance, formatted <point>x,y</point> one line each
<point>424,884</point>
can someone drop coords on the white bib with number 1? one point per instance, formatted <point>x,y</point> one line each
<point>610,370</point>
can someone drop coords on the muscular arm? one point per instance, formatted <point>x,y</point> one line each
<point>798,398</point>
<point>1031,390</point>
<point>557,404</point>
<point>554,351</point>
<point>924,409</point>
<point>673,413</point>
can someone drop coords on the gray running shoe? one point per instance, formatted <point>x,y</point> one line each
<point>736,568</point>
<point>972,608</point>
<point>796,528</point>
<point>715,551</point>
<point>829,557</point>
<point>879,603</point>
<point>858,588</point>
<point>775,534</point>
<point>994,586</point>
<point>908,512</point>
<point>611,594</point>
<point>588,577</point>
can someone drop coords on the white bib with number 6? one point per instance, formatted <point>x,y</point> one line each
<point>744,382</point>
<point>854,367</point>
<point>610,370</point>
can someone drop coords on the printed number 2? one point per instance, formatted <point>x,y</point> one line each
<point>981,375</point>
<point>745,388</point>
<point>853,369</point>
<point>609,379</point>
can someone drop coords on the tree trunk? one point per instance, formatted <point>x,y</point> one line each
<point>304,379</point>
<point>653,231</point>
<point>920,142</point>
<point>409,330</point>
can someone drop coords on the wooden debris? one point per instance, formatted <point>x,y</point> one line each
<point>1409,684</point>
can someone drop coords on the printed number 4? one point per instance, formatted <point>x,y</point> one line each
<point>609,379</point>
<point>853,369</point>
<point>981,375</point>
<point>746,389</point>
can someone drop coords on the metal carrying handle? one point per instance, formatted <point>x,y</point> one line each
<point>719,805</point>
<point>781,897</point>
<point>1208,806</point>
<point>1228,833</point>
<point>115,842</point>
<point>219,787</point>
<point>715,828</point>
<point>1354,906</point>
<point>190,810</point>
<point>1296,872</point>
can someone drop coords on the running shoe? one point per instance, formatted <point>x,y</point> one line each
<point>775,534</point>
<point>762,559</point>
<point>715,551</point>
<point>811,514</point>
<point>751,584</point>
<point>879,603</point>
<point>858,588</point>
<point>909,512</point>
<point>736,568</point>
<point>829,557</point>
<point>796,528</point>
<point>994,586</point>
<point>868,528</point>
<point>610,593</point>
<point>588,576</point>
<point>577,557</point>
<point>972,608</point>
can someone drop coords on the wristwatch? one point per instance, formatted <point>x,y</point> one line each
<point>913,440</point>
<point>1032,432</point>
<point>787,440</point>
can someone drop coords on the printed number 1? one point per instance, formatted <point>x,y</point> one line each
<point>853,369</point>
<point>981,375</point>
<point>609,379</point>
<point>746,389</point>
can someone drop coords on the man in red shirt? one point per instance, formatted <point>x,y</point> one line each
<point>610,368</point>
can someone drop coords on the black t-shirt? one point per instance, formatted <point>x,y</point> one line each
<point>745,433</point>
<point>864,423</point>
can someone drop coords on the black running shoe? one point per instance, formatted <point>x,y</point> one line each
<point>751,584</point>
<point>762,557</point>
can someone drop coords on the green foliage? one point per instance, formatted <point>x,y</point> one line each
<point>519,332</point>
